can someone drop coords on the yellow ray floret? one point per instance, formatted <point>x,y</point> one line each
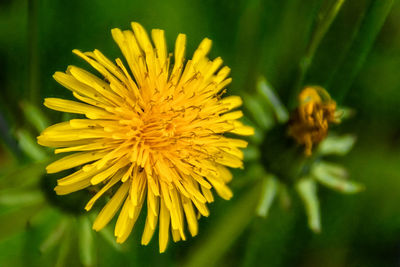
<point>153,133</point>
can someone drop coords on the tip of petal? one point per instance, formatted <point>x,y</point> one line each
<point>162,249</point>
<point>76,51</point>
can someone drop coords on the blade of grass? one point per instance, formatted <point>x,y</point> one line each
<point>33,51</point>
<point>54,237</point>
<point>87,250</point>
<point>65,247</point>
<point>359,50</point>
<point>248,37</point>
<point>285,41</point>
<point>324,23</point>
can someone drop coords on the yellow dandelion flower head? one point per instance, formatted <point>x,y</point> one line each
<point>309,122</point>
<point>153,132</point>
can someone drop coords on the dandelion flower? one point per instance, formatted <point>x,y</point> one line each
<point>310,121</point>
<point>153,132</point>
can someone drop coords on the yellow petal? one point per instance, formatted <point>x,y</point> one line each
<point>104,175</point>
<point>124,224</point>
<point>207,194</point>
<point>180,47</point>
<point>112,206</point>
<point>201,207</point>
<point>161,46</point>
<point>74,160</point>
<point>112,182</point>
<point>67,189</point>
<point>232,115</point>
<point>148,229</point>
<point>232,102</point>
<point>175,235</point>
<point>241,129</point>
<point>164,226</point>
<point>202,50</point>
<point>190,215</point>
<point>76,107</point>
<point>225,174</point>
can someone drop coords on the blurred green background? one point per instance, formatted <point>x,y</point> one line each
<point>357,61</point>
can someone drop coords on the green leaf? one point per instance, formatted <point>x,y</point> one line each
<point>269,189</point>
<point>260,113</point>
<point>65,247</point>
<point>307,190</point>
<point>18,219</point>
<point>108,236</point>
<point>20,197</point>
<point>268,94</point>
<point>258,136</point>
<point>251,153</point>
<point>334,176</point>
<point>54,237</point>
<point>325,19</point>
<point>35,116</point>
<point>29,145</point>
<point>86,242</point>
<point>337,145</point>
<point>21,176</point>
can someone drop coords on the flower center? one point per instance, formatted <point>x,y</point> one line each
<point>169,129</point>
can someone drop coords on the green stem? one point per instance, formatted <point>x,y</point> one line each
<point>225,231</point>
<point>33,81</point>
<point>325,21</point>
